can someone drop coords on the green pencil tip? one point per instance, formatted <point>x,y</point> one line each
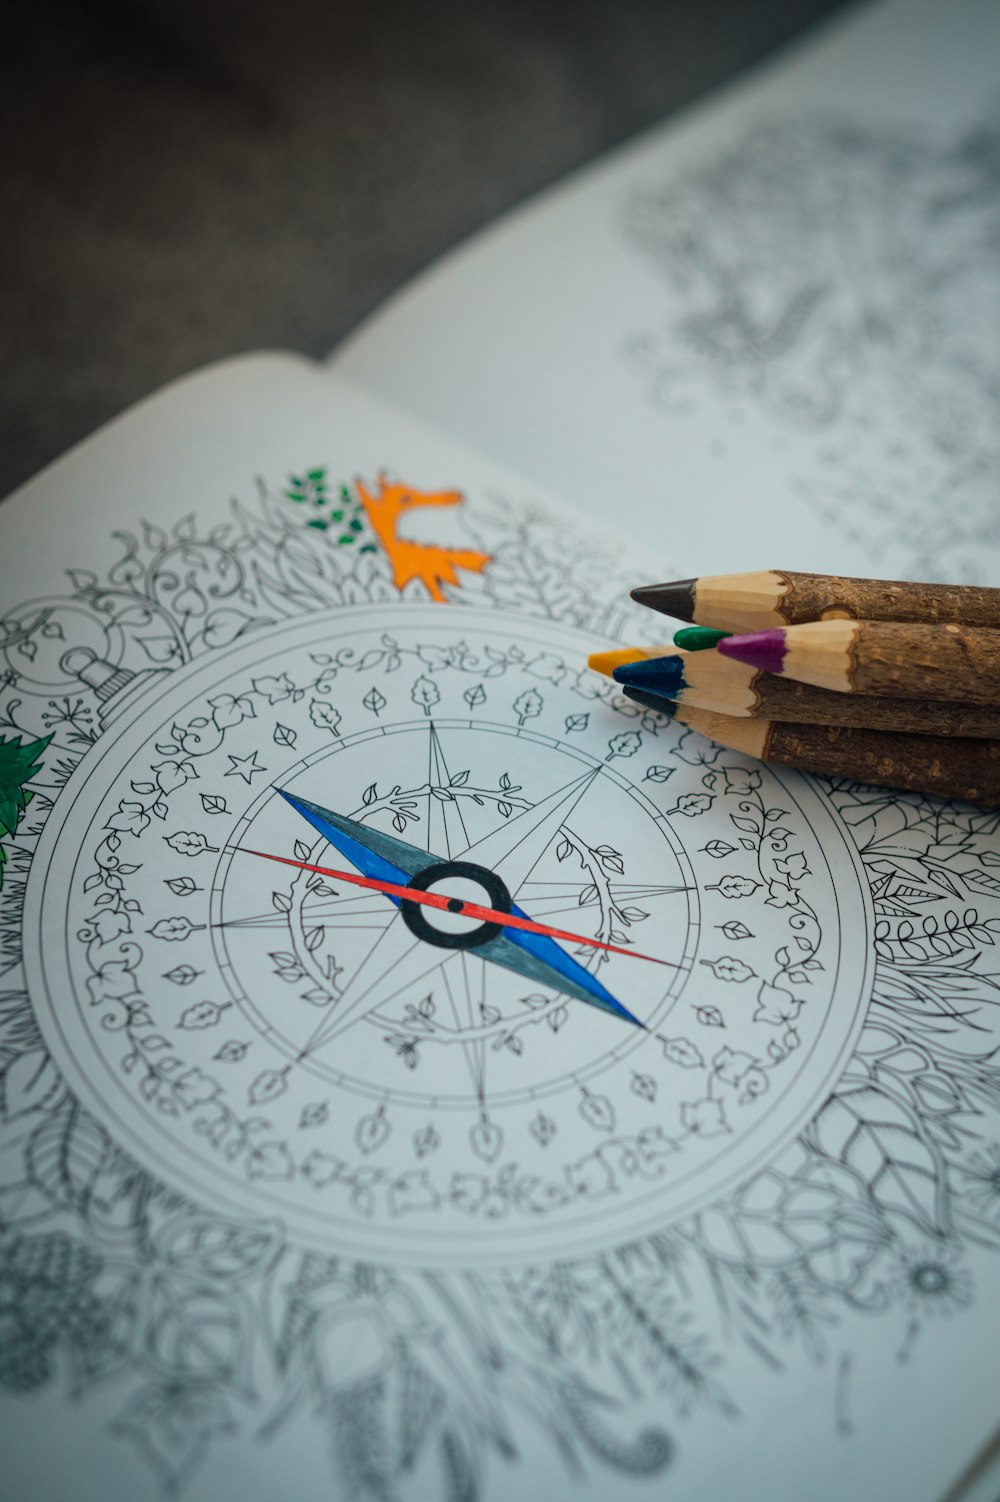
<point>698,638</point>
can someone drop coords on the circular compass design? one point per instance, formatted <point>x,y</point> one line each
<point>395,926</point>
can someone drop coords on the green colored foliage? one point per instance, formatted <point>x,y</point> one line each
<point>19,762</point>
<point>308,489</point>
<point>344,515</point>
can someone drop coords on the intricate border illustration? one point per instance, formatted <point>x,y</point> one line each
<point>214,1328</point>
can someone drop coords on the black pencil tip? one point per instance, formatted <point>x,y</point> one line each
<point>675,598</point>
<point>665,707</point>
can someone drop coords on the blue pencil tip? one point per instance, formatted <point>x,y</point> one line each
<point>656,675</point>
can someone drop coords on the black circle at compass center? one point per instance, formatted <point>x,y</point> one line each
<point>415,918</point>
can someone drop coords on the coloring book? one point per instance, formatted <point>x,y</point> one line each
<point>655,1143</point>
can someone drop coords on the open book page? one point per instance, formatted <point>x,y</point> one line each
<point>300,1177</point>
<point>763,336</point>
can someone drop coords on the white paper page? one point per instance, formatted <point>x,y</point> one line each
<point>766,335</point>
<point>289,1186</point>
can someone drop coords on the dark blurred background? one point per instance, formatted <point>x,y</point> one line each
<point>186,179</point>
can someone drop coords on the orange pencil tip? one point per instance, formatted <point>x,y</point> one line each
<point>606,662</point>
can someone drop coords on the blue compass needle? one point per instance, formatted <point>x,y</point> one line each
<point>385,858</point>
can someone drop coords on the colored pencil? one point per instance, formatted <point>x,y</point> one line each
<point>775,597</point>
<point>606,662</point>
<point>941,765</point>
<point>685,639</point>
<point>708,680</point>
<point>893,658</point>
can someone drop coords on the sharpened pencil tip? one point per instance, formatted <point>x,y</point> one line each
<point>655,675</point>
<point>698,638</point>
<point>675,598</point>
<point>606,662</point>
<point>665,707</point>
<point>758,649</point>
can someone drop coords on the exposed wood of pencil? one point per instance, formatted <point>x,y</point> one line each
<point>778,597</point>
<point>903,661</point>
<point>946,767</point>
<point>801,704</point>
<point>707,680</point>
<point>747,693</point>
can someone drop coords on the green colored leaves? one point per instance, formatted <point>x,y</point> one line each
<point>19,762</point>
<point>342,515</point>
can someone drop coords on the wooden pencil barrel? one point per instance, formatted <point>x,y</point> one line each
<point>945,767</point>
<point>814,597</point>
<point>921,661</point>
<point>802,704</point>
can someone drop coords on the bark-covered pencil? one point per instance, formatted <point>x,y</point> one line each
<point>776,597</point>
<point>936,764</point>
<point>892,658</point>
<point>708,680</point>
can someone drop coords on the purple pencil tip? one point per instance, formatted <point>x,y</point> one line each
<point>759,649</point>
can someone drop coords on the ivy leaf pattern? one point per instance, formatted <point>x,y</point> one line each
<point>776,1005</point>
<point>543,1129</point>
<point>735,886</point>
<point>598,1112</point>
<point>528,706</point>
<point>426,1140</point>
<point>269,1084</point>
<point>729,969</point>
<point>692,804</point>
<point>372,1131</point>
<point>734,929</point>
<point>644,1085</point>
<point>190,842</point>
<point>314,1115</point>
<point>182,975</point>
<point>174,930</point>
<point>683,1053</point>
<point>324,716</point>
<point>705,1118</point>
<point>486,1140</point>
<point>204,1014</point>
<point>626,744</point>
<point>425,693</point>
<point>231,1052</point>
<point>271,1160</point>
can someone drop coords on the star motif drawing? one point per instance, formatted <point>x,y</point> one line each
<point>244,766</point>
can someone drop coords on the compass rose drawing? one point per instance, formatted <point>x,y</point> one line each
<point>502,933</point>
<point>508,980</point>
<point>437,913</point>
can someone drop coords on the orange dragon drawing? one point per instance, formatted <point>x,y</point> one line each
<point>433,565</point>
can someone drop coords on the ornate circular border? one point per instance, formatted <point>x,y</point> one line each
<point>50,880</point>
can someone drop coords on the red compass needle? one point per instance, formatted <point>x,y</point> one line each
<point>455,905</point>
